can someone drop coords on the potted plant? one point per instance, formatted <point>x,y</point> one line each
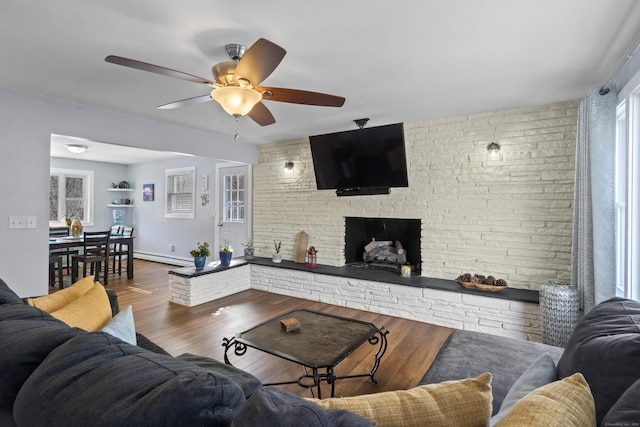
<point>248,249</point>
<point>276,257</point>
<point>200,254</point>
<point>226,251</point>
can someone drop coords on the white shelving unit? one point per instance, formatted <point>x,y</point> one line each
<point>120,190</point>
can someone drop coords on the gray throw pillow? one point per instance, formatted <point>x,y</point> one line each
<point>541,372</point>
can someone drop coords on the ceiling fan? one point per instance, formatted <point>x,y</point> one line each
<point>235,83</point>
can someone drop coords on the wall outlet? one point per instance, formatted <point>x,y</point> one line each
<point>172,247</point>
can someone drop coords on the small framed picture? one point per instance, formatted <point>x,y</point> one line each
<point>147,192</point>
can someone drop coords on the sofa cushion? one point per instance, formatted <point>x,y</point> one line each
<point>626,411</point>
<point>456,403</point>
<point>91,311</point>
<point>98,380</point>
<point>605,348</point>
<point>564,403</point>
<point>123,326</point>
<point>27,336</point>
<point>273,407</point>
<point>543,371</point>
<point>59,299</point>
<point>247,382</point>
<point>505,358</point>
<point>7,296</point>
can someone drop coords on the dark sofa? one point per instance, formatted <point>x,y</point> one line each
<point>55,375</point>
<point>604,347</point>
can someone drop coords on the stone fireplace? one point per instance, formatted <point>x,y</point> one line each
<point>396,240</point>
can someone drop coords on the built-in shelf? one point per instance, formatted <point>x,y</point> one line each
<point>120,206</point>
<point>121,189</point>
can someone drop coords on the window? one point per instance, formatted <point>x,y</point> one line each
<point>180,193</point>
<point>628,191</point>
<point>233,198</point>
<point>71,195</point>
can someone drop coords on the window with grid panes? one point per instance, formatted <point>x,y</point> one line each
<point>233,198</point>
<point>180,193</point>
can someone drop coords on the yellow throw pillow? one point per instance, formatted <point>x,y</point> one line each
<point>461,403</point>
<point>90,312</point>
<point>59,299</point>
<point>564,403</point>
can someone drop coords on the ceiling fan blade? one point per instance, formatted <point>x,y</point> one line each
<point>144,66</point>
<point>261,115</point>
<point>185,102</point>
<point>258,62</point>
<point>304,97</point>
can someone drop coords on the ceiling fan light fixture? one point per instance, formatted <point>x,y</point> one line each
<point>236,100</point>
<point>76,148</point>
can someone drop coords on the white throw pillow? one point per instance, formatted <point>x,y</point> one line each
<point>122,326</point>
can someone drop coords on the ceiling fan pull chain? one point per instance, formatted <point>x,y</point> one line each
<point>236,136</point>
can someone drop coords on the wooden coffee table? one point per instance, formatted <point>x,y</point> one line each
<point>322,341</point>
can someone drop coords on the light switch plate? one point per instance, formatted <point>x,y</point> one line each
<point>31,222</point>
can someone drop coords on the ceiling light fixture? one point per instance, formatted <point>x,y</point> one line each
<point>76,148</point>
<point>236,100</point>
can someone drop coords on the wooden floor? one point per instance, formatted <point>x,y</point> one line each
<point>200,330</point>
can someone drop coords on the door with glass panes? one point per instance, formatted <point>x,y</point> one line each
<point>234,207</point>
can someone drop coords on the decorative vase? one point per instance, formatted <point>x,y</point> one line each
<point>559,312</point>
<point>248,252</point>
<point>200,261</point>
<point>76,228</point>
<point>276,257</point>
<point>225,257</point>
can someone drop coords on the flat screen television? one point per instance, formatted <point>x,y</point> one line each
<point>361,161</point>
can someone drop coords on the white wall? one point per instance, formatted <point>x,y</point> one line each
<point>511,218</point>
<point>27,122</point>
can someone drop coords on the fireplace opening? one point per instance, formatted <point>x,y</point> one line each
<point>383,243</point>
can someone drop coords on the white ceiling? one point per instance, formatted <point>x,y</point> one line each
<point>402,61</point>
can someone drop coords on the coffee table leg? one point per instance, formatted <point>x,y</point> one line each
<point>381,350</point>
<point>239,350</point>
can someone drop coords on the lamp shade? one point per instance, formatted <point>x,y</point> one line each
<point>236,100</point>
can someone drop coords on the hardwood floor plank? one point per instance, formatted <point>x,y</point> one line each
<point>412,345</point>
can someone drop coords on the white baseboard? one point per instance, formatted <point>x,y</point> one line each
<point>163,259</point>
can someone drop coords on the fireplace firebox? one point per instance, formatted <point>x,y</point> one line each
<point>397,241</point>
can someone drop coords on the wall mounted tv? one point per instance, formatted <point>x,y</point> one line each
<point>360,162</point>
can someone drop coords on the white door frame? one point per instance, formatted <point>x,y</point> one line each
<point>248,205</point>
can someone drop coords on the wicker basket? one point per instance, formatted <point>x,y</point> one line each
<point>482,287</point>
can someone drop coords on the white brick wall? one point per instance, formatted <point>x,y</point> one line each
<point>456,310</point>
<point>511,218</point>
<point>191,291</point>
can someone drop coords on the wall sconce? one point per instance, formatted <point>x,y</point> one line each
<point>493,148</point>
<point>288,166</point>
<point>76,148</point>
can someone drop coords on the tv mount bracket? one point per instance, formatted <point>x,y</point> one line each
<point>361,122</point>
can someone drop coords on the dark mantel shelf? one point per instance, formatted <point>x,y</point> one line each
<point>374,275</point>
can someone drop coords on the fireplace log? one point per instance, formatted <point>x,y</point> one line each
<point>376,243</point>
<point>399,248</point>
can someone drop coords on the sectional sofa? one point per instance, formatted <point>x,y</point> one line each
<point>54,372</point>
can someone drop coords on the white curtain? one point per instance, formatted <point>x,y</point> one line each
<point>593,249</point>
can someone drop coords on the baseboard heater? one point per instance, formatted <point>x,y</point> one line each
<point>358,191</point>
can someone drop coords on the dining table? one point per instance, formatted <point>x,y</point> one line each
<point>66,242</point>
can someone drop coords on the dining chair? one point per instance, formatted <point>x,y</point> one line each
<point>120,249</point>
<point>66,253</point>
<point>55,265</point>
<point>95,253</point>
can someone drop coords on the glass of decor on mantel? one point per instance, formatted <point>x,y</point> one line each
<point>312,258</point>
<point>200,254</point>
<point>276,257</point>
<point>226,252</point>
